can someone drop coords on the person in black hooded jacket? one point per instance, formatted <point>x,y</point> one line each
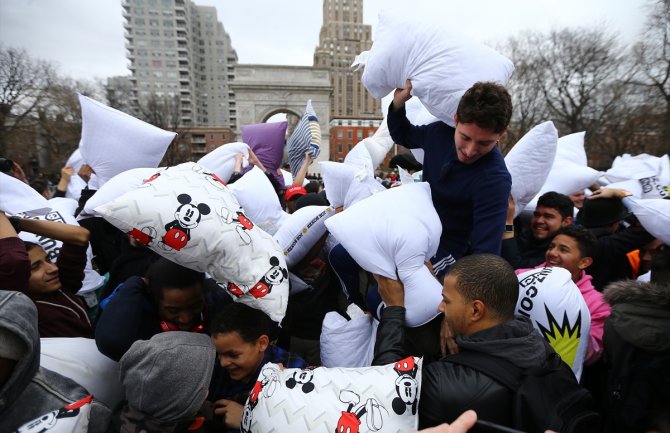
<point>478,300</point>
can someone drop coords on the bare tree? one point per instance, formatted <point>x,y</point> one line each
<point>652,58</point>
<point>573,77</point>
<point>23,84</point>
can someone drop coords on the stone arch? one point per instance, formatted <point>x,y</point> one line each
<point>264,90</point>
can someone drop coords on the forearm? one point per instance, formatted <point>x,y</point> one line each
<point>71,234</point>
<point>390,342</point>
<point>71,263</point>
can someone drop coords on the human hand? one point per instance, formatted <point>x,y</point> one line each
<point>461,425</point>
<point>308,157</point>
<point>66,173</point>
<point>85,172</point>
<point>610,193</point>
<point>231,411</point>
<point>400,96</point>
<point>391,291</point>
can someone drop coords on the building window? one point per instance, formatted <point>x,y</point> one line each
<point>139,21</point>
<point>350,135</point>
<point>359,134</point>
<point>339,148</point>
<point>340,134</point>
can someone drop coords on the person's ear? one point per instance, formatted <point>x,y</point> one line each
<point>263,342</point>
<point>567,221</point>
<point>477,310</point>
<point>584,263</point>
<point>455,119</point>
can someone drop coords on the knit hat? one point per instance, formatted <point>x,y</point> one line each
<point>168,376</point>
<point>294,191</point>
<point>11,345</point>
<point>601,212</point>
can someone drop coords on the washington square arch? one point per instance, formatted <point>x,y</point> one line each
<point>262,91</point>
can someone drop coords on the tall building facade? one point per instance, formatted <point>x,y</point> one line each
<point>342,37</point>
<point>180,52</point>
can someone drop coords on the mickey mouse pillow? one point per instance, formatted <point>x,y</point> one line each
<point>382,398</point>
<point>186,214</point>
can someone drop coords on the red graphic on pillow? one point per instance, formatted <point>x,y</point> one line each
<point>234,290</point>
<point>175,238</point>
<point>350,420</point>
<point>274,276</point>
<point>141,237</point>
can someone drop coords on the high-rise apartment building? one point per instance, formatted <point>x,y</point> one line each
<point>343,36</point>
<point>180,52</point>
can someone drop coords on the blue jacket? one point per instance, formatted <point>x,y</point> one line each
<point>470,199</point>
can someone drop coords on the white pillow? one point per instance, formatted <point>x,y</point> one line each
<point>76,183</point>
<point>221,161</point>
<point>664,172</point>
<point>549,298</point>
<point>529,163</point>
<point>571,148</point>
<point>62,210</point>
<point>441,65</point>
<point>397,229</point>
<point>327,400</point>
<point>116,187</point>
<point>189,216</point>
<point>566,177</point>
<point>80,360</point>
<point>71,418</point>
<point>258,198</point>
<point>348,343</point>
<point>113,142</point>
<point>654,215</point>
<point>301,230</point>
<point>346,184</point>
<point>17,197</point>
<point>637,167</point>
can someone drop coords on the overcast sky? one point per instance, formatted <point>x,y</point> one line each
<point>84,38</point>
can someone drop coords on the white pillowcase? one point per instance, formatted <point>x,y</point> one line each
<point>549,298</point>
<point>258,198</point>
<point>530,161</point>
<point>327,400</point>
<point>397,229</point>
<point>113,142</point>
<point>17,197</point>
<point>301,230</point>
<point>441,65</point>
<point>116,187</point>
<point>76,182</point>
<point>221,161</point>
<point>72,418</point>
<point>654,215</point>
<point>346,184</point>
<point>348,343</point>
<point>80,360</point>
<point>571,148</point>
<point>186,214</point>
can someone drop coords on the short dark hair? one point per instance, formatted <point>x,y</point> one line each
<point>558,201</point>
<point>586,241</point>
<point>39,184</point>
<point>165,273</point>
<point>29,245</point>
<point>490,279</point>
<point>312,187</point>
<point>660,265</point>
<point>487,105</point>
<point>249,322</point>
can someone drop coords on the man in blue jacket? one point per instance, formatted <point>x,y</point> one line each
<point>466,171</point>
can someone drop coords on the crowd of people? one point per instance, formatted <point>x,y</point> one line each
<point>189,356</point>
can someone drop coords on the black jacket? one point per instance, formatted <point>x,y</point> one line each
<point>448,389</point>
<point>525,251</point>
